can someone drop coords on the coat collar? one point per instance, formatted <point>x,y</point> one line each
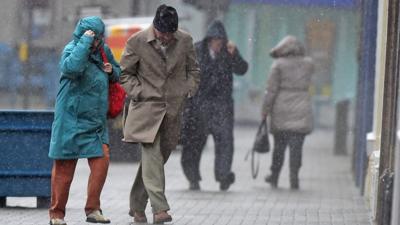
<point>152,37</point>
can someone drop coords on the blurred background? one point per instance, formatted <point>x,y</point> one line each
<point>37,30</point>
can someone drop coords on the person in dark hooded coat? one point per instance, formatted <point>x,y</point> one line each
<point>210,111</point>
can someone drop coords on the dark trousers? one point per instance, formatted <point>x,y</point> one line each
<point>281,141</point>
<point>199,122</point>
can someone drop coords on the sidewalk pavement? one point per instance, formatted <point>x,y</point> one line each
<point>327,194</point>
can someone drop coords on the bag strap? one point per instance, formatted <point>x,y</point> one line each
<point>105,59</point>
<point>103,55</point>
<point>262,126</point>
<point>255,163</point>
<point>255,166</point>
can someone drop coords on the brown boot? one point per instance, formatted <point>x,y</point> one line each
<point>161,217</point>
<point>139,217</point>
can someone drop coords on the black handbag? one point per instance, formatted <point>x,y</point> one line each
<point>261,145</point>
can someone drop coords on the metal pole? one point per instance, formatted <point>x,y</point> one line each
<point>389,116</point>
<point>341,127</point>
<point>396,187</point>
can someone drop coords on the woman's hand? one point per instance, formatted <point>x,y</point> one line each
<point>107,68</point>
<point>89,33</point>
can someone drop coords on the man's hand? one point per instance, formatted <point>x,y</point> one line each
<point>107,68</point>
<point>89,33</point>
<point>231,47</point>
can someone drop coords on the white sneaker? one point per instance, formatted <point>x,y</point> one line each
<point>97,217</point>
<point>57,222</point>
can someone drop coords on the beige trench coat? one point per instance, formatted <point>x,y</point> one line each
<point>157,85</point>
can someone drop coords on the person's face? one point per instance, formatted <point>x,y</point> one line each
<point>97,41</point>
<point>216,44</point>
<point>165,38</point>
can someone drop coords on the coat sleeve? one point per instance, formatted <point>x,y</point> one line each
<point>192,69</point>
<point>239,65</point>
<point>75,57</point>
<point>272,90</point>
<point>129,66</point>
<point>116,72</point>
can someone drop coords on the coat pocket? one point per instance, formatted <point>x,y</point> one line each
<point>133,89</point>
<point>88,111</point>
<point>143,120</point>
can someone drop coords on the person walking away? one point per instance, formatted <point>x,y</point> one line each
<point>79,128</point>
<point>288,105</point>
<point>159,71</point>
<point>210,111</point>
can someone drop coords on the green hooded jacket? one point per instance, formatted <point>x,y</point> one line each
<point>80,120</point>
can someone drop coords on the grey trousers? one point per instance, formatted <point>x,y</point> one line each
<point>150,180</point>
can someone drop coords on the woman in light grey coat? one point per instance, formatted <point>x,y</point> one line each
<point>288,104</point>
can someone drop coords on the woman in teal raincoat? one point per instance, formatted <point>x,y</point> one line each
<point>79,128</point>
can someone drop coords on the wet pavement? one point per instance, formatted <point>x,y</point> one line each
<point>327,194</point>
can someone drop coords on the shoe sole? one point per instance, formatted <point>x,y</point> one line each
<point>50,223</point>
<point>140,221</point>
<point>89,220</point>
<point>163,221</point>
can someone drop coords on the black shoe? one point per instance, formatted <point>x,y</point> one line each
<point>194,186</point>
<point>294,184</point>
<point>294,180</point>
<point>226,183</point>
<point>273,180</point>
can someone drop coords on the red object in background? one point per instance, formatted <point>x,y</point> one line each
<point>116,94</point>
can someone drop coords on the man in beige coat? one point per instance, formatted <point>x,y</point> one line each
<point>159,71</point>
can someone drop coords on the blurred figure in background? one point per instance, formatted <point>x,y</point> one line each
<point>159,72</point>
<point>288,104</point>
<point>210,111</point>
<point>80,119</point>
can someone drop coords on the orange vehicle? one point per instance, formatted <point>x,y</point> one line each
<point>119,30</point>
